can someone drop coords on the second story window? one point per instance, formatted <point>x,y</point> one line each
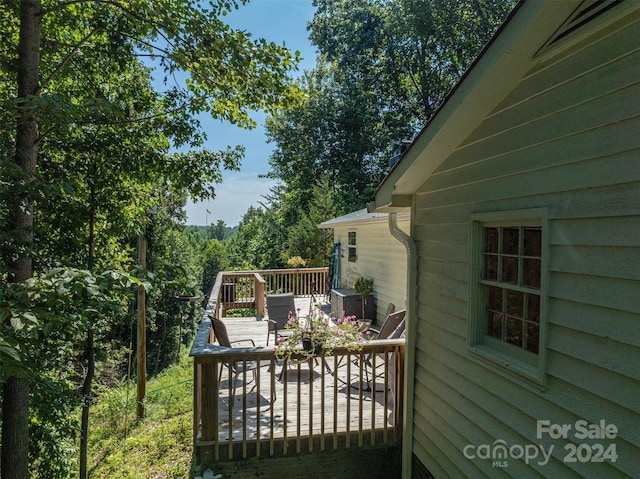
<point>351,243</point>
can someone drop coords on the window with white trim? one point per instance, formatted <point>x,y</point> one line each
<point>351,244</point>
<point>508,275</point>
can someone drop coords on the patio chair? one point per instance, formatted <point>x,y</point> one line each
<point>279,306</point>
<point>392,328</point>
<point>235,367</point>
<point>391,383</point>
<point>389,325</point>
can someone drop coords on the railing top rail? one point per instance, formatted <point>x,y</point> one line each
<point>201,340</point>
<point>203,349</point>
<point>243,274</point>
<point>317,269</point>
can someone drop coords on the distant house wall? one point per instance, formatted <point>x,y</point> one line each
<point>567,139</point>
<point>379,256</point>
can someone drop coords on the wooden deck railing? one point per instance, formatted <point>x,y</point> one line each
<point>346,400</point>
<point>299,281</point>
<point>247,289</point>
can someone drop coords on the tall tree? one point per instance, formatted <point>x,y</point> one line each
<point>214,260</point>
<point>305,239</point>
<point>15,391</point>
<point>334,132</point>
<point>383,69</point>
<point>260,240</point>
<point>53,59</point>
<point>409,52</point>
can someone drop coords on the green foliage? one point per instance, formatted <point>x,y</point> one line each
<point>383,69</point>
<point>52,430</point>
<point>296,262</point>
<point>363,286</point>
<point>333,133</point>
<point>240,312</point>
<point>407,53</point>
<point>171,316</point>
<point>99,159</point>
<point>219,231</point>
<point>42,322</point>
<point>41,317</point>
<point>214,260</point>
<point>259,241</point>
<point>268,237</point>
<point>305,239</point>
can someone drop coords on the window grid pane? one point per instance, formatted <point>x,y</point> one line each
<point>352,238</point>
<point>512,256</point>
<point>351,244</point>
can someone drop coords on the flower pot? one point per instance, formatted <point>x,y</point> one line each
<point>307,345</point>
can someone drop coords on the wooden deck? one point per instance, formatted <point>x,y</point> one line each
<point>324,397</point>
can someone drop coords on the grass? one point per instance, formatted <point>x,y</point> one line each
<point>240,312</point>
<point>160,446</point>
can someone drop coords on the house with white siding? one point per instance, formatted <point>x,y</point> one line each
<point>523,301</point>
<point>368,249</point>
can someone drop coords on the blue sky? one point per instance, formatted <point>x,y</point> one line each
<point>277,21</point>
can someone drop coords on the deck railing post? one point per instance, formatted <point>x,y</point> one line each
<point>259,292</point>
<point>208,400</point>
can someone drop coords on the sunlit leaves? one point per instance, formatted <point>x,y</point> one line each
<point>384,68</point>
<point>40,317</point>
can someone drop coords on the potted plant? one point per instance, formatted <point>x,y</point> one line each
<point>364,287</point>
<point>319,333</point>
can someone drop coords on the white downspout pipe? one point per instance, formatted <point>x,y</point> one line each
<point>410,354</point>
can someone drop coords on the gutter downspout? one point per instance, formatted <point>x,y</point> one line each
<point>409,361</point>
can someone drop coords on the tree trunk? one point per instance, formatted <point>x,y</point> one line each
<point>15,392</point>
<point>90,347</point>
<point>15,432</point>
<point>86,395</point>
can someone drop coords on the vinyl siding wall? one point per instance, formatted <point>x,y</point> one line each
<point>381,257</point>
<point>567,138</point>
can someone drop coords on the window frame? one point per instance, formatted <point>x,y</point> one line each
<point>352,253</point>
<point>491,351</point>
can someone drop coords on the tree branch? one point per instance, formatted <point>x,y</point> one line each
<point>68,58</point>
